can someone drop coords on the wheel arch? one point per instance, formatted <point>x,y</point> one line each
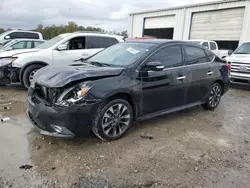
<point>221,84</point>
<point>129,98</point>
<point>29,64</point>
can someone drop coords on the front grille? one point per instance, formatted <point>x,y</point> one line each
<point>48,94</point>
<point>240,67</point>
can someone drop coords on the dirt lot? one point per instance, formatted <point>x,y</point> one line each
<point>192,148</point>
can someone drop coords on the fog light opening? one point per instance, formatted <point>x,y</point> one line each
<point>57,128</point>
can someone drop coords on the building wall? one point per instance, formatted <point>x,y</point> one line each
<point>184,16</point>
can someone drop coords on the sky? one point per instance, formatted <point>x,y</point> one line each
<point>108,14</point>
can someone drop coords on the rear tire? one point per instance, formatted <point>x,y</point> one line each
<point>214,97</point>
<point>112,120</point>
<point>29,73</point>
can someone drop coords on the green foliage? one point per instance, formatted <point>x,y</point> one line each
<point>49,32</point>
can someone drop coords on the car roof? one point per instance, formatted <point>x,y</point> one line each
<point>28,40</point>
<point>160,42</point>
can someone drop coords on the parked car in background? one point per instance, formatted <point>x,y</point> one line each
<point>19,34</point>
<point>62,50</point>
<point>126,82</point>
<point>213,46</point>
<point>18,44</point>
<point>240,64</point>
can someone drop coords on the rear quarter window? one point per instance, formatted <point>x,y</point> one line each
<point>99,42</point>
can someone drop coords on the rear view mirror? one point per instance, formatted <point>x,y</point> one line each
<point>155,66</point>
<point>230,52</point>
<point>62,47</point>
<point>7,37</point>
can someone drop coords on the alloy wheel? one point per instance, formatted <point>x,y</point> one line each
<point>31,76</point>
<point>215,96</point>
<point>116,120</point>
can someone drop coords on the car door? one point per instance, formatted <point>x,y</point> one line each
<point>75,48</point>
<point>164,89</point>
<point>198,73</point>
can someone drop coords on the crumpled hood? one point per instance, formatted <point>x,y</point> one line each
<point>16,52</point>
<point>244,58</point>
<point>55,76</point>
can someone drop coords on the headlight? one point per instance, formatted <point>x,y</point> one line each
<point>6,61</point>
<point>73,95</point>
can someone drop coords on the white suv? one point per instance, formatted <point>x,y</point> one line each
<point>19,34</point>
<point>63,50</point>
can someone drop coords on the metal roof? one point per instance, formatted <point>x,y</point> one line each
<point>187,6</point>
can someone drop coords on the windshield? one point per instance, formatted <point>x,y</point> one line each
<point>122,54</point>
<point>50,42</point>
<point>243,49</point>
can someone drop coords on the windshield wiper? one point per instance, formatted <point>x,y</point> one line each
<point>241,53</point>
<point>98,63</point>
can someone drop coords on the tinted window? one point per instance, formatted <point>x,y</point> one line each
<point>205,44</point>
<point>113,41</point>
<point>210,55</point>
<point>16,35</point>
<point>77,43</point>
<point>170,56</point>
<point>213,46</point>
<point>98,42</point>
<point>195,55</point>
<point>30,35</point>
<point>19,45</point>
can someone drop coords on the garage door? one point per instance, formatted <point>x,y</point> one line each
<point>160,22</point>
<point>217,25</point>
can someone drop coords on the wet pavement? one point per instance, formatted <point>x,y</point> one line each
<point>192,148</point>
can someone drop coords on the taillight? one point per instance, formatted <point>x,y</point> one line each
<point>228,67</point>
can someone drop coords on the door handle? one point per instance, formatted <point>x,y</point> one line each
<point>181,78</point>
<point>210,73</point>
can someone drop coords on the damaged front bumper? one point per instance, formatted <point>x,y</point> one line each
<point>9,74</point>
<point>62,122</point>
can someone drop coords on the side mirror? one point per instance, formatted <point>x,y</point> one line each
<point>7,37</point>
<point>62,47</point>
<point>155,66</point>
<point>230,52</point>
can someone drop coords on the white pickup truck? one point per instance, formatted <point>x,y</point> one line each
<point>213,46</point>
<point>240,64</point>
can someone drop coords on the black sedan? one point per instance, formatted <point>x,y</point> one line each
<point>127,82</point>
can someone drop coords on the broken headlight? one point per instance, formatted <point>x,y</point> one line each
<point>6,61</point>
<point>73,95</point>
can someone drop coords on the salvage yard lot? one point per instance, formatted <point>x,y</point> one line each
<point>192,148</point>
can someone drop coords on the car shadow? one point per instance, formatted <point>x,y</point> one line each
<point>15,87</point>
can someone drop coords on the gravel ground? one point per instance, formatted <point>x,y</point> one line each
<point>192,148</point>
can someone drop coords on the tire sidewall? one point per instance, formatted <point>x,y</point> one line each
<point>99,117</point>
<point>26,74</point>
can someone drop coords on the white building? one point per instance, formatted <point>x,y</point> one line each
<point>226,22</point>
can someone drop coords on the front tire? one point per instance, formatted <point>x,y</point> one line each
<point>28,74</point>
<point>214,97</point>
<point>112,120</point>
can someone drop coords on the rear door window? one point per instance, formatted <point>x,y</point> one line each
<point>29,44</point>
<point>36,43</point>
<point>195,55</point>
<point>28,35</point>
<point>98,42</point>
<point>170,56</point>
